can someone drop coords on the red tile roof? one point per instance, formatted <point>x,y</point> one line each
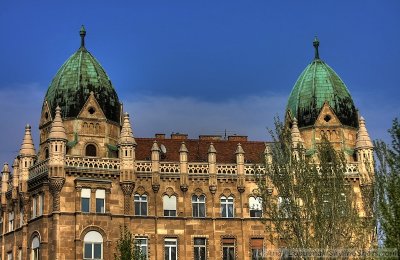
<point>198,149</point>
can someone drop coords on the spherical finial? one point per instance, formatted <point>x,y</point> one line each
<point>82,33</point>
<point>316,45</point>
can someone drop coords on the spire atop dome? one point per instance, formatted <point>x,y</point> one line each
<point>82,33</point>
<point>316,45</point>
<point>57,130</point>
<point>27,147</point>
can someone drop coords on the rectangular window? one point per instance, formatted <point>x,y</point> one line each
<point>100,201</point>
<point>41,205</point>
<point>170,249</point>
<point>21,217</point>
<point>200,249</point>
<point>34,207</point>
<point>140,205</point>
<point>199,206</point>
<point>169,204</point>
<point>11,221</point>
<point>257,252</point>
<point>227,207</point>
<point>92,251</point>
<point>141,244</point>
<point>85,199</point>
<point>255,205</point>
<point>9,256</point>
<point>228,249</point>
<point>19,254</point>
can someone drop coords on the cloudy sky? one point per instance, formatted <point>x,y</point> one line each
<point>200,67</point>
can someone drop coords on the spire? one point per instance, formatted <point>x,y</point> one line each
<point>211,149</point>
<point>363,140</point>
<point>239,149</point>
<point>82,33</point>
<point>316,45</point>
<point>6,169</point>
<point>126,136</point>
<point>57,130</point>
<point>155,147</point>
<point>27,147</point>
<point>183,148</point>
<point>295,133</point>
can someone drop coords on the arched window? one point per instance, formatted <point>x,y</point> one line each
<point>35,248</point>
<point>91,150</point>
<point>93,246</point>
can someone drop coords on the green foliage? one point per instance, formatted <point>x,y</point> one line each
<point>388,187</point>
<point>126,248</point>
<point>308,200</point>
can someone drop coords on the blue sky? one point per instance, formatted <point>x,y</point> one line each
<point>199,67</point>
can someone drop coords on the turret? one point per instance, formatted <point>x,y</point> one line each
<point>297,140</point>
<point>27,156</point>
<point>57,142</point>
<point>155,167</point>
<point>126,148</point>
<point>364,151</point>
<point>240,168</point>
<point>15,181</point>
<point>4,184</point>
<point>183,163</point>
<point>212,168</point>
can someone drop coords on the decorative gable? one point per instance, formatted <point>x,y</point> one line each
<point>91,109</point>
<point>45,117</point>
<point>327,117</point>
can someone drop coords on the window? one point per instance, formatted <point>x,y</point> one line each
<point>11,221</point>
<point>200,249</point>
<point>100,201</point>
<point>284,207</point>
<point>255,205</point>
<point>19,253</point>
<point>226,207</point>
<point>169,204</point>
<point>35,248</point>
<point>141,244</point>
<point>199,206</point>
<point>9,256</point>
<point>91,150</point>
<point>228,249</point>
<point>21,216</point>
<point>93,245</point>
<point>85,200</point>
<point>34,207</point>
<point>40,204</point>
<point>140,205</point>
<point>170,249</point>
<point>257,252</point>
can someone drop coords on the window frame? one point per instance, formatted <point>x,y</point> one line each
<point>226,203</point>
<point>197,204</point>
<point>91,239</point>
<point>35,248</point>
<point>84,197</point>
<point>11,218</point>
<point>140,200</point>
<point>255,207</point>
<point>197,248</point>
<point>100,196</point>
<point>168,208</point>
<point>227,246</point>
<point>143,245</point>
<point>169,248</point>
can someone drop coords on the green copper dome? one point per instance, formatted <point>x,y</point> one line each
<point>318,84</point>
<point>77,77</point>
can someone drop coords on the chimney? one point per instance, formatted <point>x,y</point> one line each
<point>160,136</point>
<point>178,136</point>
<point>210,137</point>
<point>239,138</point>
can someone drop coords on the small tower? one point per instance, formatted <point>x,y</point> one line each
<point>297,140</point>
<point>240,168</point>
<point>212,168</point>
<point>183,162</point>
<point>364,152</point>
<point>57,142</point>
<point>27,156</point>
<point>4,185</point>
<point>126,149</point>
<point>155,167</point>
<point>15,181</point>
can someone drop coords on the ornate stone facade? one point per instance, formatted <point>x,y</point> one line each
<point>178,196</point>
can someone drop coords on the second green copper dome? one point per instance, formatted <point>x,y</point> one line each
<point>77,77</point>
<point>318,84</point>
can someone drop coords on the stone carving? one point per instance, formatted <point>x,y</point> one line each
<point>56,185</point>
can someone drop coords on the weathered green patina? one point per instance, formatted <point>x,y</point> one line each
<point>77,77</point>
<point>319,83</point>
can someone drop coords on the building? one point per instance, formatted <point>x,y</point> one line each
<point>182,198</point>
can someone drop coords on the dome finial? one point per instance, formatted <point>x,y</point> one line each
<point>316,45</point>
<point>82,33</point>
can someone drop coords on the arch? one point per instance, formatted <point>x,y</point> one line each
<point>91,150</point>
<point>93,228</point>
<point>93,245</point>
<point>35,246</point>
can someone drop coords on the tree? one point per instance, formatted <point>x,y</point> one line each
<point>388,187</point>
<point>308,201</point>
<point>127,248</point>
